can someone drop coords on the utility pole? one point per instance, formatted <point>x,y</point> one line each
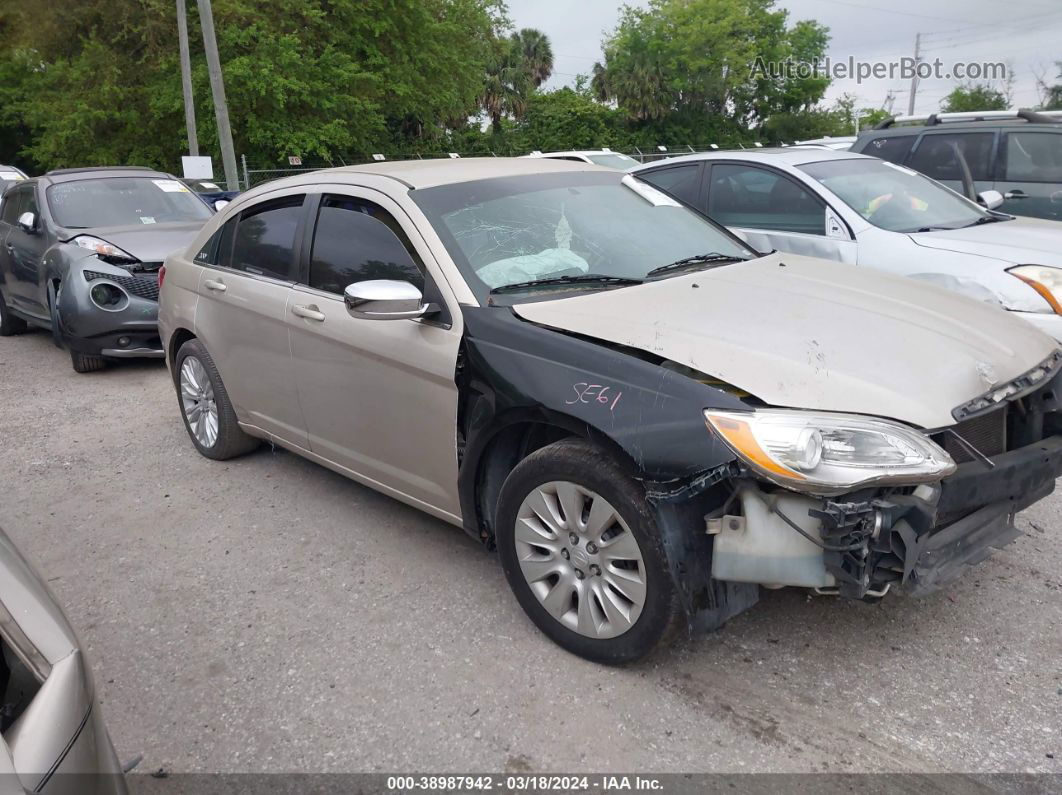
<point>914,77</point>
<point>186,78</point>
<point>217,88</point>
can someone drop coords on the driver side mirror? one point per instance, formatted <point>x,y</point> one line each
<point>27,222</point>
<point>386,299</point>
<point>220,204</point>
<point>990,199</point>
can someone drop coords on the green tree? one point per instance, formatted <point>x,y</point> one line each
<point>1053,94</point>
<point>507,85</point>
<point>972,97</point>
<point>325,79</point>
<point>518,65</point>
<point>695,59</point>
<point>566,119</point>
<point>536,53</point>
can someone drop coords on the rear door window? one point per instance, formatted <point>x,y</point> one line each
<point>357,240</point>
<point>757,198</point>
<point>1034,157</point>
<point>264,242</point>
<point>682,182</point>
<point>937,155</point>
<point>893,148</point>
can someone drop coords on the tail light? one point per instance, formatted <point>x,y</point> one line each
<point>162,275</point>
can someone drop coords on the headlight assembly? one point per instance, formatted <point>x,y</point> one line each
<point>829,453</point>
<point>104,250</point>
<point>1047,281</point>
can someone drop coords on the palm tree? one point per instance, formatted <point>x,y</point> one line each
<point>534,49</point>
<point>599,83</point>
<point>508,82</point>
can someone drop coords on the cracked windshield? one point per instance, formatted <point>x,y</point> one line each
<point>569,231</point>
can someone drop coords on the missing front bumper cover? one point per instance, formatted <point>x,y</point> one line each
<point>925,540</point>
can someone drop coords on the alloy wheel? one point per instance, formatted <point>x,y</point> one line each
<point>197,401</point>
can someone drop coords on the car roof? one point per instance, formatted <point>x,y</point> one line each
<point>101,172</point>
<point>789,156</point>
<point>419,174</point>
<point>958,126</point>
<point>581,152</point>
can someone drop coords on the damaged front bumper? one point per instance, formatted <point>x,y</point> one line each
<point>860,546</point>
<point>925,542</point>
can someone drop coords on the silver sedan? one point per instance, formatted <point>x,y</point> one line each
<point>864,211</point>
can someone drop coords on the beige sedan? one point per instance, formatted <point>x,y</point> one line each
<point>647,418</point>
<point>52,736</point>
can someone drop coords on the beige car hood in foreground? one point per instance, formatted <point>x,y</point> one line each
<point>807,333</point>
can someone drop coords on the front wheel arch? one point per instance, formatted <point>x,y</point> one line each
<point>498,450</point>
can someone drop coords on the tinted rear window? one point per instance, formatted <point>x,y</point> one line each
<point>265,238</point>
<point>893,148</point>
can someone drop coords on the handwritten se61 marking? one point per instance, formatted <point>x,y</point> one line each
<point>594,393</point>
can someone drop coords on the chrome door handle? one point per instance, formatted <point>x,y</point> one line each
<point>1017,193</point>
<point>213,284</point>
<point>310,312</point>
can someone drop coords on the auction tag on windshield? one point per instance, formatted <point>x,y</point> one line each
<point>171,185</point>
<point>147,219</point>
<point>10,176</point>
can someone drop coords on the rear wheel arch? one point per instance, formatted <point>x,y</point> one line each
<point>179,337</point>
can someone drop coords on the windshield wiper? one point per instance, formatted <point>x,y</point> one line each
<point>582,278</point>
<point>988,219</point>
<point>696,259</point>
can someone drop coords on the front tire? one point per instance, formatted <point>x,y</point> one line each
<point>205,406</point>
<point>9,324</point>
<point>582,555</point>
<point>57,325</point>
<point>86,362</point>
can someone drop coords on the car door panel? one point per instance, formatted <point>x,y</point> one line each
<point>24,253</point>
<point>243,316</point>
<point>1031,173</point>
<point>380,397</point>
<point>245,320</point>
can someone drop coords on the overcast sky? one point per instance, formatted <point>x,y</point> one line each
<point>1026,33</point>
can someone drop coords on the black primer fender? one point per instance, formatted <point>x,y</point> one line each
<point>515,371</point>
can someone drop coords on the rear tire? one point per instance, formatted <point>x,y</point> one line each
<point>9,324</point>
<point>592,574</point>
<point>205,406</point>
<point>86,362</point>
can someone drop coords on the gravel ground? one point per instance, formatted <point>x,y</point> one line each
<point>266,615</point>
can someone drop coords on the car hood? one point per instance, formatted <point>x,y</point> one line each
<point>146,242</point>
<point>1021,241</point>
<point>807,333</point>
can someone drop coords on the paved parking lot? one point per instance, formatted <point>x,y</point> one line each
<point>265,614</point>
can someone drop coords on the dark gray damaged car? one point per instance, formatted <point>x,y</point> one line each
<point>79,254</point>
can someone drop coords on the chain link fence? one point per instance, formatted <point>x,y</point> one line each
<point>252,174</point>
